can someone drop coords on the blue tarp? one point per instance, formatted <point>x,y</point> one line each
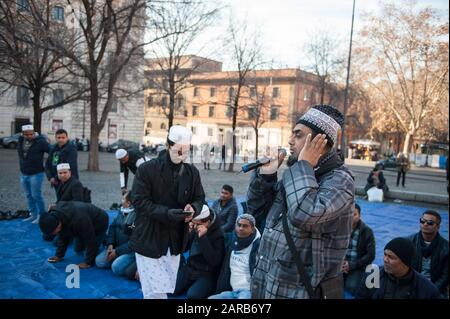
<point>25,273</point>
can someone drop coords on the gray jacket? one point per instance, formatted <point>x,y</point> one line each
<point>319,210</point>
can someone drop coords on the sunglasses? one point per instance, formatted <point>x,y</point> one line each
<point>428,222</point>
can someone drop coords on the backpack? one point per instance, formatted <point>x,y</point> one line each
<point>86,195</point>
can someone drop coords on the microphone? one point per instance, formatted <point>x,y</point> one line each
<point>254,165</point>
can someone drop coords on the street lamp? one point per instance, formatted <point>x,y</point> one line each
<point>347,82</point>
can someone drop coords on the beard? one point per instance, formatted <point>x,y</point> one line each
<point>292,160</point>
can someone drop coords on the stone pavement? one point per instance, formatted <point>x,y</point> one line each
<point>105,184</point>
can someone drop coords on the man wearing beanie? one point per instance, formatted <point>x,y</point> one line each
<point>397,278</point>
<point>129,161</point>
<point>166,193</point>
<point>75,219</point>
<point>307,214</point>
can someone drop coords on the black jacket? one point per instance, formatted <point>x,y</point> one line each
<point>82,220</point>
<point>439,261</point>
<point>227,214</point>
<point>130,165</point>
<point>223,282</point>
<point>205,253</point>
<point>72,190</point>
<point>413,286</point>
<point>371,181</point>
<point>66,154</point>
<point>117,237</point>
<point>155,190</point>
<point>365,248</point>
<point>33,162</point>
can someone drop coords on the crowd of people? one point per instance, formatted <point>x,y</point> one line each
<point>302,235</point>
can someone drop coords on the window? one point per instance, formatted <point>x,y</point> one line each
<point>114,104</point>
<point>252,91</point>
<point>180,101</point>
<point>212,92</point>
<point>276,92</point>
<point>58,96</point>
<point>251,113</point>
<point>211,111</point>
<point>150,101</point>
<point>305,95</point>
<point>23,5</point>
<point>23,96</point>
<point>249,135</point>
<point>229,112</point>
<point>58,13</point>
<point>196,93</point>
<point>210,131</point>
<point>164,101</point>
<point>230,93</point>
<point>57,125</point>
<point>194,130</point>
<point>274,113</point>
<point>194,110</point>
<point>165,84</point>
<point>151,84</point>
<point>163,126</point>
<point>149,124</point>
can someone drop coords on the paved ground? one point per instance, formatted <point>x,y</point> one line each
<point>105,184</point>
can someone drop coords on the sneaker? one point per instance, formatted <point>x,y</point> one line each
<point>36,221</point>
<point>32,217</point>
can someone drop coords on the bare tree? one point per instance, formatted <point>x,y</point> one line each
<point>321,50</point>
<point>27,59</point>
<point>407,58</point>
<point>108,51</point>
<point>246,56</point>
<point>183,22</point>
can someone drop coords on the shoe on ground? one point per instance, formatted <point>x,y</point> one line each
<point>32,217</point>
<point>36,221</point>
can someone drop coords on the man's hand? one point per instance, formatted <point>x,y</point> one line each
<point>111,255</point>
<point>272,167</point>
<point>345,267</point>
<point>313,150</point>
<point>201,230</point>
<point>176,215</point>
<point>51,206</point>
<point>84,266</point>
<point>54,259</point>
<point>189,208</point>
<point>53,181</point>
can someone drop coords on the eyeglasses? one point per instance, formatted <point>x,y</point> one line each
<point>428,222</point>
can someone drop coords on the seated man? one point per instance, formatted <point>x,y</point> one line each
<point>69,188</point>
<point>431,258</point>
<point>118,256</point>
<point>198,274</point>
<point>76,219</point>
<point>226,208</point>
<point>360,253</point>
<point>397,280</point>
<point>239,261</point>
<point>376,179</point>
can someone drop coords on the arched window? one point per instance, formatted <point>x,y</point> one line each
<point>163,126</point>
<point>149,124</point>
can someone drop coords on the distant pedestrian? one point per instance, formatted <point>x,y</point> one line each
<point>402,164</point>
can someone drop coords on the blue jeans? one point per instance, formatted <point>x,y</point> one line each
<point>119,265</point>
<point>235,294</point>
<point>32,184</point>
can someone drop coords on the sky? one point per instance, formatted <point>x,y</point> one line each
<point>286,25</point>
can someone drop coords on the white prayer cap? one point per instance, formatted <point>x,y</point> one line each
<point>203,214</point>
<point>121,153</point>
<point>27,127</point>
<point>62,166</point>
<point>180,134</point>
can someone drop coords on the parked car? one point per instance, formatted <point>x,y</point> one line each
<point>387,164</point>
<point>10,141</point>
<point>125,144</point>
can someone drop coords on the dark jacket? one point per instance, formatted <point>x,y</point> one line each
<point>205,253</point>
<point>223,282</point>
<point>227,214</point>
<point>439,261</point>
<point>33,163</point>
<point>117,237</point>
<point>413,286</point>
<point>156,190</point>
<point>66,154</point>
<point>371,181</point>
<point>82,220</point>
<point>72,190</point>
<point>130,165</point>
<point>365,248</point>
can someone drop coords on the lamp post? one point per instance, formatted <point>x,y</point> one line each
<point>343,147</point>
